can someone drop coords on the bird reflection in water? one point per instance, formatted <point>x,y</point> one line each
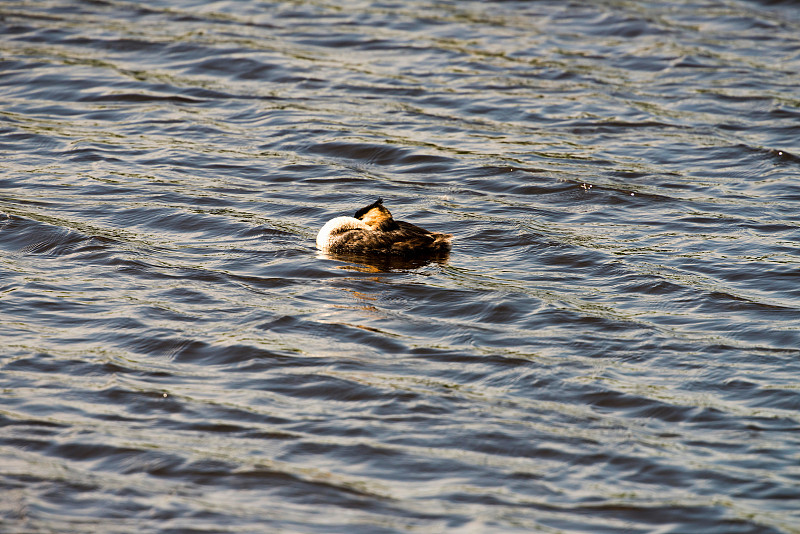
<point>371,263</point>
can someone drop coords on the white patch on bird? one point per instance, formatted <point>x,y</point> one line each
<point>327,233</point>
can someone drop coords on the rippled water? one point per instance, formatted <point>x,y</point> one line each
<point>613,344</point>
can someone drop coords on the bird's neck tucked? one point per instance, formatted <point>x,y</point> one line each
<point>379,218</point>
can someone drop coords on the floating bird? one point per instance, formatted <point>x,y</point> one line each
<point>372,230</point>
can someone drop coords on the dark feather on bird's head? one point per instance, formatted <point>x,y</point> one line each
<point>376,216</point>
<point>363,211</point>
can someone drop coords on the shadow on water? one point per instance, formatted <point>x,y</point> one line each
<point>369,263</point>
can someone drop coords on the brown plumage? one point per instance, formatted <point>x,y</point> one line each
<point>373,230</point>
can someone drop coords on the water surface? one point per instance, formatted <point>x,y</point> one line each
<point>613,344</point>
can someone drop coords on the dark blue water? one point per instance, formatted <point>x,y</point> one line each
<point>612,346</point>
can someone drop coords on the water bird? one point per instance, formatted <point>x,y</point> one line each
<point>373,230</point>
